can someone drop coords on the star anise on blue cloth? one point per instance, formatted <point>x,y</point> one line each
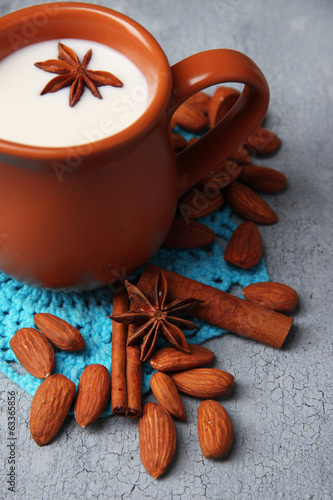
<point>72,72</point>
<point>154,317</point>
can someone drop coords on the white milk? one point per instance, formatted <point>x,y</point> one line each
<point>26,117</point>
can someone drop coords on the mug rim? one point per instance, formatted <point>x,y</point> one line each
<point>133,132</point>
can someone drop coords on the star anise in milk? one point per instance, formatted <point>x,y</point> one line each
<point>154,317</point>
<point>71,72</point>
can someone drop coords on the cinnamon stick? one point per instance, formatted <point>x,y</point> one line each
<point>223,309</point>
<point>118,356</point>
<point>134,374</point>
<point>134,379</point>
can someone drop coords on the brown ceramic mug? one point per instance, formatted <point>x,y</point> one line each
<point>117,197</point>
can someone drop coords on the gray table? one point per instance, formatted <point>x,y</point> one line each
<point>281,406</point>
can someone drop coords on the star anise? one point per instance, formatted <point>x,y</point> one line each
<point>72,72</point>
<point>153,317</point>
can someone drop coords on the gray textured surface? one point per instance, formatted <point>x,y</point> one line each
<point>281,407</point>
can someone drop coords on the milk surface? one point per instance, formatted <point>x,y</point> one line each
<point>48,121</point>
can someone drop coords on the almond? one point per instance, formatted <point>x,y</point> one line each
<point>50,406</point>
<point>201,100</point>
<point>240,156</point>
<point>167,395</point>
<point>190,117</point>
<point>93,394</point>
<point>178,142</point>
<point>215,429</point>
<point>170,359</point>
<point>263,141</point>
<point>188,234</point>
<point>281,298</point>
<point>200,201</point>
<point>264,179</point>
<point>221,102</point>
<point>244,248</point>
<point>34,351</point>
<point>248,204</point>
<point>157,439</point>
<point>59,332</point>
<point>203,382</point>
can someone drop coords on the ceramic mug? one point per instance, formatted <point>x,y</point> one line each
<point>117,197</point>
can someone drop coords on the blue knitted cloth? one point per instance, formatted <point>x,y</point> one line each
<point>89,311</point>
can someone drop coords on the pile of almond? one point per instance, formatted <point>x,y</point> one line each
<point>175,371</point>
<point>236,181</point>
<point>179,371</point>
<point>51,403</point>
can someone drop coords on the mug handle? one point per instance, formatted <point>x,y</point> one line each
<point>202,70</point>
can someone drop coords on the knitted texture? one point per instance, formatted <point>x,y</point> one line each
<point>89,311</point>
